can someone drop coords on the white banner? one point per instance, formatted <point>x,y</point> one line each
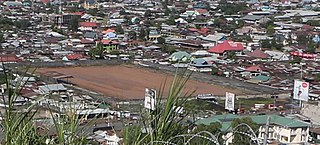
<point>301,90</point>
<point>150,99</point>
<point>229,103</point>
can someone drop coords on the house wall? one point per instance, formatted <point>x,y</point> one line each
<point>85,28</point>
<point>292,136</point>
<point>110,47</point>
<point>228,138</point>
<point>285,135</point>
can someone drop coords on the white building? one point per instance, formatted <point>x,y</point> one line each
<point>282,130</point>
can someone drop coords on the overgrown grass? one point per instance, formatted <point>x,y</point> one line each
<point>198,105</point>
<point>19,128</point>
<point>164,122</point>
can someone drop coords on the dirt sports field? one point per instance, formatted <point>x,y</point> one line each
<point>127,82</point>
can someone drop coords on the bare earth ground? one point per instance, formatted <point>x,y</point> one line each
<point>128,82</point>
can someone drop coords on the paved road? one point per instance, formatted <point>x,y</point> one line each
<point>254,89</point>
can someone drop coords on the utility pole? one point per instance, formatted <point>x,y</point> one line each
<point>266,132</point>
<point>301,78</point>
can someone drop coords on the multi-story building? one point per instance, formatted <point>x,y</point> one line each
<point>281,129</point>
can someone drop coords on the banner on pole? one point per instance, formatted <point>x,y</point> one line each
<point>301,90</point>
<point>229,102</point>
<point>150,99</point>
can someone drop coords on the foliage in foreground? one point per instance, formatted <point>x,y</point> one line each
<point>166,126</point>
<point>19,124</point>
<point>165,122</point>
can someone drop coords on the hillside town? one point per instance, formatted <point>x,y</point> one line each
<point>256,52</point>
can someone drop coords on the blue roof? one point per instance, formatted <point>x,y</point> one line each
<point>90,2</point>
<point>111,35</point>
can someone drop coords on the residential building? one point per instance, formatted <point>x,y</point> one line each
<point>226,46</point>
<point>110,45</point>
<point>282,129</point>
<point>87,26</point>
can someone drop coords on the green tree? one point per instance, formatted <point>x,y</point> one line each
<point>132,35</point>
<point>22,24</point>
<point>317,76</point>
<point>270,30</point>
<point>119,29</point>
<point>215,71</point>
<point>122,12</point>
<point>296,59</point>
<point>231,55</point>
<point>161,40</point>
<point>93,11</point>
<point>142,34</point>
<point>275,45</point>
<point>214,128</point>
<point>1,38</point>
<point>315,23</point>
<point>232,8</point>
<point>297,19</point>
<point>147,13</point>
<point>167,12</point>
<point>311,47</point>
<point>97,51</point>
<point>265,44</point>
<point>171,21</point>
<point>74,23</point>
<point>168,49</point>
<point>241,139</point>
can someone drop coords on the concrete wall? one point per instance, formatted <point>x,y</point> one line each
<point>311,111</point>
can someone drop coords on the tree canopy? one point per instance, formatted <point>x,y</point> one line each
<point>240,138</point>
<point>142,34</point>
<point>74,23</point>
<point>132,35</point>
<point>97,51</point>
<point>119,29</point>
<point>232,8</point>
<point>1,38</point>
<point>161,40</point>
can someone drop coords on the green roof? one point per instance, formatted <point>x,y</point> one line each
<point>226,119</point>
<point>279,120</point>
<point>261,78</point>
<point>103,106</point>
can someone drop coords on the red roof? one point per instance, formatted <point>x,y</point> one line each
<point>307,27</point>
<point>74,56</point>
<point>108,31</point>
<point>86,41</point>
<point>193,29</point>
<point>202,11</point>
<point>88,24</point>
<point>226,46</point>
<point>304,55</point>
<point>258,54</point>
<point>9,58</point>
<point>45,1</point>
<point>107,41</point>
<point>78,13</point>
<point>254,68</point>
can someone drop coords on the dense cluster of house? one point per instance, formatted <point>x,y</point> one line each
<point>265,42</point>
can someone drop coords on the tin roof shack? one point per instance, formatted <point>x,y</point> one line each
<point>52,88</point>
